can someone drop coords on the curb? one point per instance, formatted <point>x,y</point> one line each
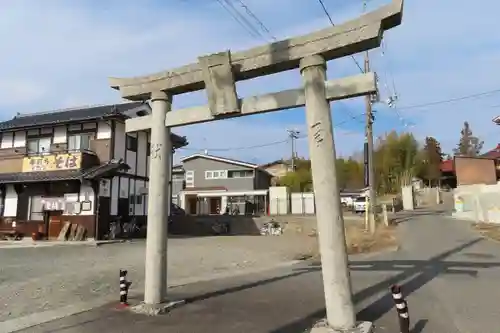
<point>35,319</point>
<point>115,241</point>
<point>31,245</point>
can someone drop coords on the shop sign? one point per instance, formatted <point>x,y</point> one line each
<point>52,162</point>
<point>52,204</point>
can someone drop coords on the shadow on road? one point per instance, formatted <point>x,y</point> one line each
<point>419,326</point>
<point>234,289</point>
<point>422,271</point>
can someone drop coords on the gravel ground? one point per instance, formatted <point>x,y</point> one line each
<point>39,279</point>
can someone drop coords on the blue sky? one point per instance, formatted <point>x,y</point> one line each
<point>58,54</point>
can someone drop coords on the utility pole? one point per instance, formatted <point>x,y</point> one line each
<point>294,135</point>
<point>371,207</point>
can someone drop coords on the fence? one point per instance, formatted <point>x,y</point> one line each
<point>305,204</point>
<point>426,196</point>
<point>295,203</point>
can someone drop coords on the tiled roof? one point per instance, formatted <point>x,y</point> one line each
<point>77,115</point>
<point>494,153</point>
<point>67,115</point>
<point>42,176</point>
<point>39,176</point>
<point>104,169</point>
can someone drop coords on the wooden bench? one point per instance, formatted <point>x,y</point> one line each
<point>10,234</point>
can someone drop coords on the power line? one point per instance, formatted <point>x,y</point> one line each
<point>451,100</point>
<point>269,144</point>
<point>261,24</point>
<point>333,24</point>
<point>242,21</point>
<point>355,61</point>
<point>239,148</point>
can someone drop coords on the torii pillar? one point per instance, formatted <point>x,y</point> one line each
<point>217,74</point>
<point>158,201</point>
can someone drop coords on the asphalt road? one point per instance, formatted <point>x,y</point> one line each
<point>449,274</point>
<point>34,280</point>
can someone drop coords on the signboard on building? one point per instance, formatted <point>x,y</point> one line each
<point>52,162</point>
<point>53,204</point>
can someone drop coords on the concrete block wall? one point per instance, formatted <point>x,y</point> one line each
<point>279,202</point>
<point>302,203</point>
<point>477,202</point>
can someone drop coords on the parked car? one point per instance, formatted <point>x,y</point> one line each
<point>360,205</point>
<point>346,201</point>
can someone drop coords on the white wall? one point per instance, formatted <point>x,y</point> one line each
<point>19,139</point>
<point>278,200</point>
<point>13,139</point>
<point>142,146</point>
<point>10,209</point>
<point>103,130</point>
<point>60,134</point>
<point>124,187</point>
<point>147,158</point>
<point>114,196</point>
<point>7,140</point>
<point>302,203</point>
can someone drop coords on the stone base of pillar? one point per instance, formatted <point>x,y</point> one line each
<point>156,309</point>
<point>362,327</point>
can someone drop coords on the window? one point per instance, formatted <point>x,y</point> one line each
<point>189,178</point>
<point>39,146</point>
<point>216,174</point>
<point>240,173</point>
<point>177,176</point>
<point>135,199</point>
<point>36,209</point>
<point>80,141</point>
<point>131,143</point>
<point>148,149</point>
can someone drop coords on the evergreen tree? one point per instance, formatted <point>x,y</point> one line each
<point>469,145</point>
<point>432,158</point>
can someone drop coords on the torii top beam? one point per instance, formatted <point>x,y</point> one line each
<point>352,37</point>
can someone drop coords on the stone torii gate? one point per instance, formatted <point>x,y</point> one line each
<point>217,73</point>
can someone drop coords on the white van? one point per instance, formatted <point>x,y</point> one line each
<point>360,205</point>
